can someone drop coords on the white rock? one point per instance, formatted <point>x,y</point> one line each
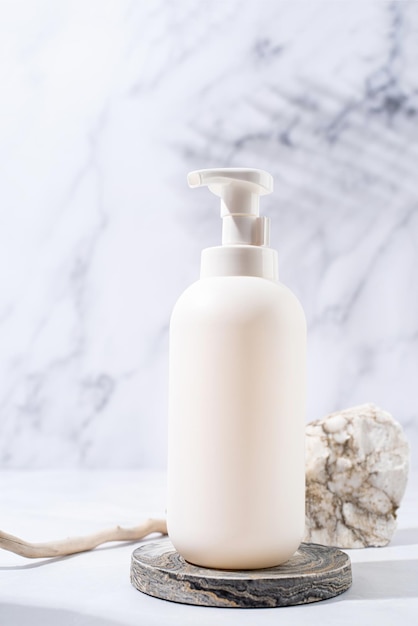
<point>356,472</point>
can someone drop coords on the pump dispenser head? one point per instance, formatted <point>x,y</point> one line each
<point>245,235</point>
<point>239,190</point>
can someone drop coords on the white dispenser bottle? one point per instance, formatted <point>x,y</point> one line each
<point>236,477</point>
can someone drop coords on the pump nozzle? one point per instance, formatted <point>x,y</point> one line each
<point>239,190</point>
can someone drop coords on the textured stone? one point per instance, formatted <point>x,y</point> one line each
<point>313,573</point>
<point>356,472</point>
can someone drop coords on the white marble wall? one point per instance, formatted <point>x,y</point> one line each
<point>104,108</point>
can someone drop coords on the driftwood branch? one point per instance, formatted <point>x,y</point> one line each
<point>80,544</point>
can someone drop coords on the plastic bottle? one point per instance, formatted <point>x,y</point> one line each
<point>236,481</point>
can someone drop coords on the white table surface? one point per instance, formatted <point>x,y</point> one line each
<point>93,588</point>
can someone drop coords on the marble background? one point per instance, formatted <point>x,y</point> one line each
<point>104,108</point>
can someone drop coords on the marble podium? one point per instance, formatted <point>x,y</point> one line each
<point>314,573</point>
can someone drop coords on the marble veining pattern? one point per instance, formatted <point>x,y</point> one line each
<point>357,464</point>
<point>104,108</point>
<point>312,574</point>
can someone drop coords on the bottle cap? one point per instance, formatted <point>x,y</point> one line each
<point>240,190</point>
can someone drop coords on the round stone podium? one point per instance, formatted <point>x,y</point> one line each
<point>314,573</point>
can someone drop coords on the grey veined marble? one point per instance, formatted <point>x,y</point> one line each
<point>313,573</point>
<point>356,472</point>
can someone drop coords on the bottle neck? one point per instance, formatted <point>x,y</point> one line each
<point>240,260</point>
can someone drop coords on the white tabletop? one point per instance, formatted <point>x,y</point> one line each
<point>93,588</point>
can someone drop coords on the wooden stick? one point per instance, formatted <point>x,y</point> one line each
<point>80,544</point>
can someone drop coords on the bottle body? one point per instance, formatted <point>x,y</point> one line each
<point>236,481</point>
